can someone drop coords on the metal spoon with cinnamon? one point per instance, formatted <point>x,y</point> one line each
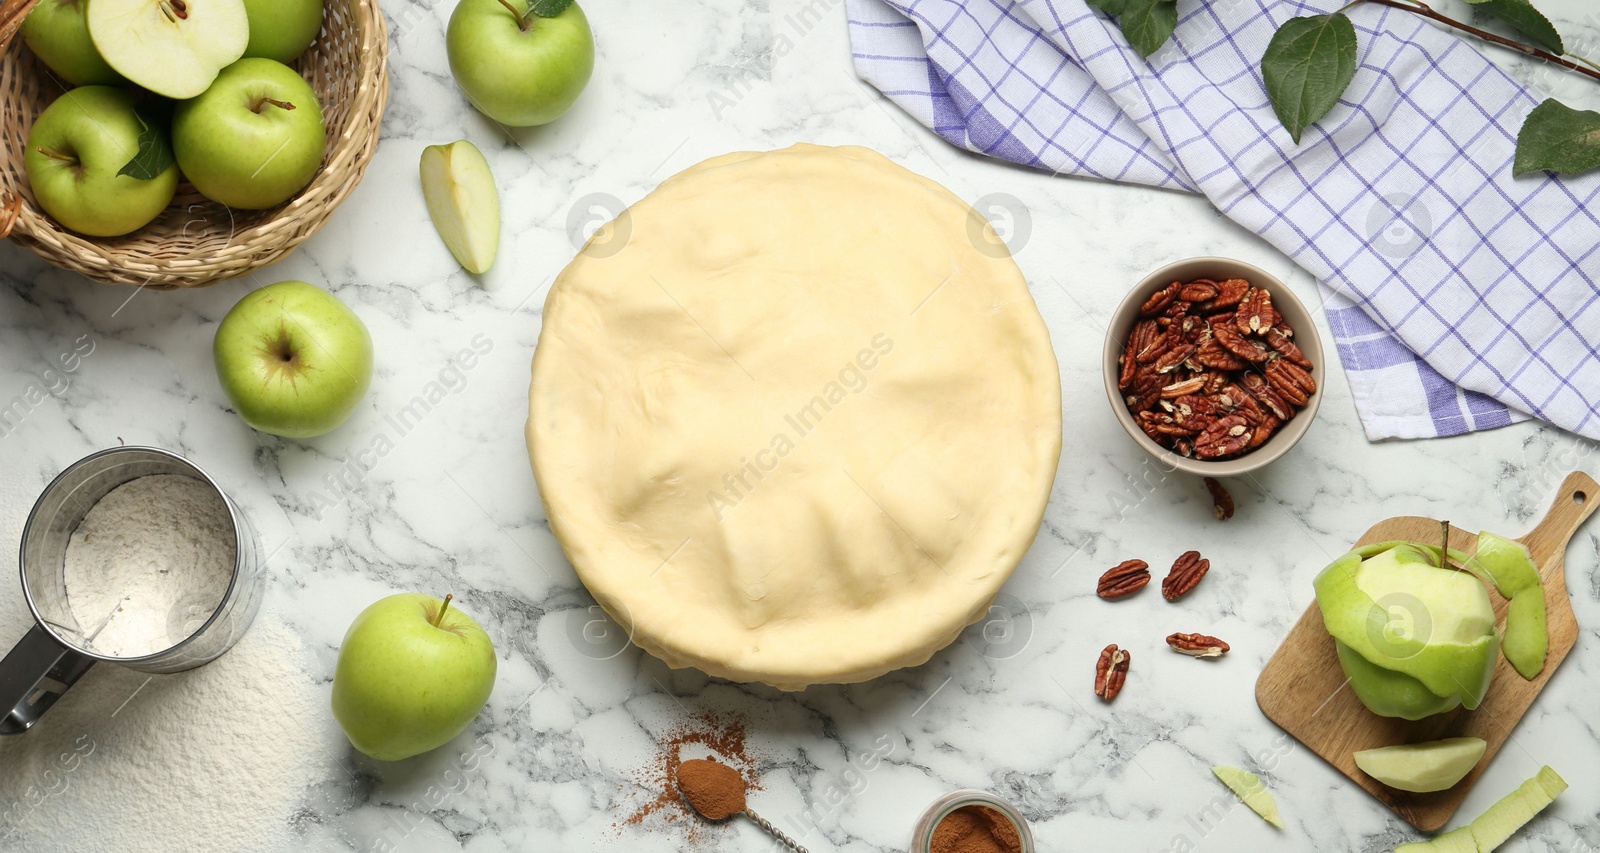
<point>716,791</point>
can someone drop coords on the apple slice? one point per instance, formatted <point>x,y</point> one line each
<point>463,202</point>
<point>171,47</point>
<point>1250,790</point>
<point>1423,767</point>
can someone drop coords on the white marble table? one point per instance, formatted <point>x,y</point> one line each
<point>452,506</point>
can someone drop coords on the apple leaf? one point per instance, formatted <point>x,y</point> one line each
<point>154,156</point>
<point>1558,138</point>
<point>550,8</point>
<point>1110,7</point>
<point>1527,20</point>
<point>1308,65</point>
<point>1148,23</point>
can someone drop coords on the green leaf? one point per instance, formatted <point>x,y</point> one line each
<point>1308,65</point>
<point>1557,138</point>
<point>1528,21</point>
<point>1149,23</point>
<point>154,156</point>
<point>1110,7</point>
<point>550,8</point>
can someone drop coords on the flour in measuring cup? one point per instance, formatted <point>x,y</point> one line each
<point>155,556</point>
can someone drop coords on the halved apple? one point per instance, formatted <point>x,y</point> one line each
<point>1423,767</point>
<point>171,47</point>
<point>463,202</point>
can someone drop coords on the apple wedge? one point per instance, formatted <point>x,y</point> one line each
<point>1250,791</point>
<point>171,47</point>
<point>463,202</point>
<point>1422,767</point>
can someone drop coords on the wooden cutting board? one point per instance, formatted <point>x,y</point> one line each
<point>1304,691</point>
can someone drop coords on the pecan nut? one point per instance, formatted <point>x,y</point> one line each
<point>1235,342</point>
<point>1111,671</point>
<point>1290,380</point>
<point>1187,572</point>
<point>1225,437</point>
<point>1221,501</point>
<point>1279,340</point>
<point>1197,645</point>
<point>1256,314</point>
<point>1123,579</point>
<point>1159,302</point>
<point>1199,290</point>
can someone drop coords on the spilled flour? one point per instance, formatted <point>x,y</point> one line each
<point>210,759</point>
<point>149,563</point>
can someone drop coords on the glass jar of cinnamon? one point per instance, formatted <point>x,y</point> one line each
<point>971,821</point>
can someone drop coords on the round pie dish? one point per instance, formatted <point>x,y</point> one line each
<point>1294,314</point>
<point>794,417</point>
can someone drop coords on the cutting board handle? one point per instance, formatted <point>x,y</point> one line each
<point>1577,499</point>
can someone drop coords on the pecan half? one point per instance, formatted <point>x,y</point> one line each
<point>1227,436</point>
<point>1186,574</point>
<point>1215,356</point>
<point>1235,342</point>
<point>1278,340</point>
<point>1123,579</point>
<point>1197,645</point>
<point>1264,430</point>
<point>1199,290</point>
<point>1291,380</point>
<point>1187,386</point>
<point>1221,501</point>
<point>1111,671</point>
<point>1145,392</point>
<point>1159,302</point>
<point>1229,294</point>
<point>1177,353</point>
<point>1269,396</point>
<point>1256,314</point>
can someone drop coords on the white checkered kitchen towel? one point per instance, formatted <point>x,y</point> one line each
<point>1460,298</point>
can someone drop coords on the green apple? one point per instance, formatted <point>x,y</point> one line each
<point>412,673</point>
<point>74,152</point>
<point>282,29</point>
<point>252,140</point>
<point>1423,767</point>
<point>463,202</point>
<point>1414,637</point>
<point>171,47</point>
<point>58,33</point>
<point>293,359</point>
<point>516,67</point>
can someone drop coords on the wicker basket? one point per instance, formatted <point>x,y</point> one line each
<point>197,241</point>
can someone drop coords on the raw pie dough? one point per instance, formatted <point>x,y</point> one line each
<point>794,417</point>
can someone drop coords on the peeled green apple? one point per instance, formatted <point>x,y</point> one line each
<point>516,67</point>
<point>171,47</point>
<point>293,359</point>
<point>252,140</point>
<point>74,153</point>
<point>412,674</point>
<point>1423,767</point>
<point>58,33</point>
<point>1414,638</point>
<point>463,202</point>
<point>282,29</point>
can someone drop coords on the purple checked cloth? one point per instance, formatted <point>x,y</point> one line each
<point>1459,298</point>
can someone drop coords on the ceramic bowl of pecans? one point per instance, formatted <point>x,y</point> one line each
<point>1213,366</point>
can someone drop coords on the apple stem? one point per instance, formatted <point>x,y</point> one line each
<point>55,156</point>
<point>282,105</point>
<point>442,608</point>
<point>1444,547</point>
<point>522,20</point>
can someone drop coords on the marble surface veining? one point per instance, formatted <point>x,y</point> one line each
<point>448,503</point>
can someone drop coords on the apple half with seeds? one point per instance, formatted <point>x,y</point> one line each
<point>173,48</point>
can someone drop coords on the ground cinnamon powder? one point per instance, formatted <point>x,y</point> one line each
<point>715,790</point>
<point>976,829</point>
<point>665,808</point>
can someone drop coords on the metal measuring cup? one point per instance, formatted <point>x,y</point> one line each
<point>56,651</point>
